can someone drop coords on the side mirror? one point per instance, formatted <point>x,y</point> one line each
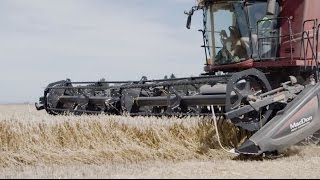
<point>190,13</point>
<point>189,21</point>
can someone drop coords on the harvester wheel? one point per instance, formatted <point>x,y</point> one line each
<point>239,88</point>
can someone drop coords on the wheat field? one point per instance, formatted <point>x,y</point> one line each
<point>34,144</point>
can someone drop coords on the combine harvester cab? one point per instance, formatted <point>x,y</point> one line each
<point>261,73</point>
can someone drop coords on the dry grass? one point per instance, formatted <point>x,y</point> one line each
<point>28,137</point>
<point>36,145</point>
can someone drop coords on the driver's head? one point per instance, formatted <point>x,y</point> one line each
<point>234,32</point>
<point>223,33</point>
<point>223,37</point>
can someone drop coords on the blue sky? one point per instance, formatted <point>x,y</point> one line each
<point>42,41</point>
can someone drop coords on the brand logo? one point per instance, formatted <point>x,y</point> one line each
<point>301,123</point>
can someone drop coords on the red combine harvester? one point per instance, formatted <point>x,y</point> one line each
<point>261,73</point>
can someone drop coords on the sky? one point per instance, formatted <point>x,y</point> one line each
<point>43,41</point>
